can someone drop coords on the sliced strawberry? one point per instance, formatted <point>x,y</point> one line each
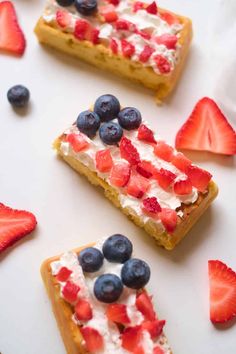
<point>14,225</point>
<point>114,46</point>
<point>138,5</point>
<point>181,162</point>
<point>165,178</point>
<point>146,53</point>
<point>207,129</point>
<point>124,25</point>
<point>153,327</point>
<point>104,161</point>
<point>63,274</point>
<point>70,291</point>
<point>152,8</point>
<point>137,185</point>
<point>222,281</point>
<point>83,310</point>
<point>145,306</point>
<point>169,219</point>
<point>162,64</point>
<point>146,134</point>
<point>63,18</point>
<point>128,151</point>
<point>12,39</point>
<point>151,206</point>
<point>117,313</point>
<point>81,28</point>
<point>198,177</point>
<point>168,40</point>
<point>146,169</point>
<point>93,339</point>
<point>114,2</point>
<point>128,49</point>
<point>120,174</point>
<point>78,142</point>
<point>143,33</point>
<point>158,350</point>
<point>170,18</point>
<point>138,350</point>
<point>163,150</point>
<point>183,187</point>
<point>131,338</point>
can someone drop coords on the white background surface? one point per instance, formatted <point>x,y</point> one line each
<point>71,212</point>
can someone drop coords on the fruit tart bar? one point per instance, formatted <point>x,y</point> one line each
<point>99,300</point>
<point>133,39</point>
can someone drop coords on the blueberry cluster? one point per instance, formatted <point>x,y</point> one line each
<point>84,7</point>
<point>108,287</point>
<point>106,109</point>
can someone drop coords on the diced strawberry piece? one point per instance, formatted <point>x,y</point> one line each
<point>128,151</point>
<point>114,46</point>
<point>153,327</point>
<point>222,282</point>
<point>181,162</point>
<point>63,18</point>
<point>131,338</point>
<point>168,40</point>
<point>110,16</point>
<point>14,225</point>
<point>158,350</point>
<point>117,313</point>
<point>81,28</point>
<point>124,25</point>
<point>138,350</point>
<point>114,2</point>
<point>207,129</point>
<point>170,18</point>
<point>77,141</point>
<point>145,306</point>
<point>70,291</point>
<point>12,39</point>
<point>198,177</point>
<point>162,64</point>
<point>151,206</point>
<point>63,274</point>
<point>183,187</point>
<point>163,150</point>
<point>152,8</point>
<point>104,161</point>
<point>138,5</point>
<point>93,35</point>
<point>137,185</point>
<point>93,339</point>
<point>146,169</point>
<point>169,219</point>
<point>146,134</point>
<point>146,53</point>
<point>165,178</point>
<point>143,33</point>
<point>83,310</point>
<point>128,49</point>
<point>120,174</point>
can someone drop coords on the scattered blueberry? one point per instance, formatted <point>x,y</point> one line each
<point>135,273</point>
<point>90,259</point>
<point>88,123</point>
<point>117,248</point>
<point>107,107</point>
<point>130,118</point>
<point>108,288</point>
<point>18,96</point>
<point>65,2</point>
<point>86,7</point>
<point>110,133</point>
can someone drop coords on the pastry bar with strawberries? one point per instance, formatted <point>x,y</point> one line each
<point>157,187</point>
<point>99,300</point>
<point>134,39</point>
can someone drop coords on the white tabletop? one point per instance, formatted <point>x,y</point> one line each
<point>71,212</point>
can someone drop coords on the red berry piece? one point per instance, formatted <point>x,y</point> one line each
<point>138,5</point>
<point>170,18</point>
<point>146,53</point>
<point>137,185</point>
<point>114,46</point>
<point>152,8</point>
<point>154,328</point>
<point>145,306</point>
<point>120,174</point>
<point>117,313</point>
<point>93,339</point>
<point>165,178</point>
<point>143,33</point>
<point>146,169</point>
<point>128,49</point>
<point>93,35</point>
<point>183,187</point>
<point>146,134</point>
<point>129,152</point>
<point>181,162</point>
<point>114,2</point>
<point>110,16</point>
<point>104,161</point>
<point>83,310</point>
<point>131,338</point>
<point>124,25</point>
<point>63,18</point>
<point>198,177</point>
<point>78,142</point>
<point>70,291</point>
<point>168,40</point>
<point>63,274</point>
<point>151,206</point>
<point>163,151</point>
<point>162,64</point>
<point>158,350</point>
<point>138,350</point>
<point>169,219</point>
<point>81,29</point>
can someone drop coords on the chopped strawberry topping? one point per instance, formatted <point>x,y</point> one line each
<point>158,350</point>
<point>170,18</point>
<point>165,178</point>
<point>198,177</point>
<point>70,291</point>
<point>93,35</point>
<point>104,161</point>
<point>128,49</point>
<point>151,205</point>
<point>146,53</point>
<point>120,174</point>
<point>114,2</point>
<point>181,162</point>
<point>108,13</point>
<point>138,350</point>
<point>131,338</point>
<point>117,313</point>
<point>152,8</point>
<point>145,306</point>
<point>163,150</point>
<point>168,40</point>
<point>93,339</point>
<point>81,29</point>
<point>146,169</point>
<point>146,134</point>
<point>77,141</point>
<point>137,185</point>
<point>162,64</point>
<point>183,187</point>
<point>169,219</point>
<point>63,274</point>
<point>128,151</point>
<point>114,46</point>
<point>153,327</point>
<point>124,25</point>
<point>63,18</point>
<point>138,5</point>
<point>83,310</point>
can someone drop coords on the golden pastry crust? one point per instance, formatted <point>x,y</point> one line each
<point>103,58</point>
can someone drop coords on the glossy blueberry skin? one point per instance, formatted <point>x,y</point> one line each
<point>18,96</point>
<point>86,7</point>
<point>108,288</point>
<point>135,273</point>
<point>65,2</point>
<point>90,259</point>
<point>110,133</point>
<point>88,123</point>
<point>129,118</point>
<point>117,248</point>
<point>107,107</point>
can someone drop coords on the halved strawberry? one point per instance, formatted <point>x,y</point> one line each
<point>120,174</point>
<point>63,274</point>
<point>199,178</point>
<point>117,313</point>
<point>114,46</point>
<point>137,185</point>
<point>152,8</point>
<point>183,187</point>
<point>128,151</point>
<point>145,306</point>
<point>70,291</point>
<point>131,338</point>
<point>207,129</point>
<point>128,49</point>
<point>81,28</point>
<point>181,162</point>
<point>164,178</point>
<point>83,310</point>
<point>170,18</point>
<point>151,206</point>
<point>104,161</point>
<point>169,219</point>
<point>222,281</point>
<point>153,327</point>
<point>162,64</point>
<point>158,350</point>
<point>93,339</point>
<point>146,53</point>
<point>12,39</point>
<point>78,141</point>
<point>163,150</point>
<point>14,225</point>
<point>168,40</point>
<point>63,18</point>
<point>146,169</point>
<point>146,134</point>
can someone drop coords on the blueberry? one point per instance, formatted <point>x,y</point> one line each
<point>108,288</point>
<point>135,273</point>
<point>110,133</point>
<point>86,7</point>
<point>88,123</point>
<point>65,2</point>
<point>18,96</point>
<point>90,259</point>
<point>107,107</point>
<point>117,248</point>
<point>130,118</point>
